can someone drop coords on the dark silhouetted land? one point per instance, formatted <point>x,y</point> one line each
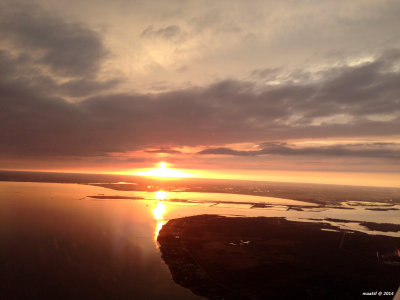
<point>273,258</point>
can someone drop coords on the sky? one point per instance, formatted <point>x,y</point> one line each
<point>304,91</point>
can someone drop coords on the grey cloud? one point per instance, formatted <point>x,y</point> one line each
<point>85,87</point>
<point>367,89</point>
<point>225,112</point>
<point>69,49</point>
<point>268,73</point>
<point>167,151</point>
<point>169,32</point>
<point>229,151</point>
<point>372,150</point>
<point>22,72</point>
<point>54,57</point>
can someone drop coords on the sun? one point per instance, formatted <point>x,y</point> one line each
<point>161,195</point>
<point>164,171</point>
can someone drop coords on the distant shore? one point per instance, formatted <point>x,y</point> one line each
<point>321,194</point>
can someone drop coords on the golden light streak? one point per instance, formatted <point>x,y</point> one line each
<point>158,213</point>
<point>343,178</point>
<point>159,225</point>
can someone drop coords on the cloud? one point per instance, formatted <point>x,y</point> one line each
<point>41,51</point>
<point>370,150</point>
<point>38,123</point>
<point>20,71</point>
<point>269,73</point>
<point>168,33</point>
<point>84,87</point>
<point>67,48</point>
<point>167,151</point>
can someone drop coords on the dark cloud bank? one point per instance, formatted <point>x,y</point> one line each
<point>372,150</point>
<point>36,119</point>
<point>226,112</point>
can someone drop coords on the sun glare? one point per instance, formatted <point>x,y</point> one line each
<point>161,195</point>
<point>163,171</point>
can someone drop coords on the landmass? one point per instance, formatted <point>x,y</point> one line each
<point>273,258</point>
<point>103,197</point>
<point>384,227</point>
<point>321,194</point>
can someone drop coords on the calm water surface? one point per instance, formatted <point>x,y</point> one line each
<point>57,242</point>
<point>54,245</point>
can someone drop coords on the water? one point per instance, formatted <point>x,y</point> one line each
<point>50,241</point>
<point>56,241</point>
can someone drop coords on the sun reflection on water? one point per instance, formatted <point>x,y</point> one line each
<point>159,211</point>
